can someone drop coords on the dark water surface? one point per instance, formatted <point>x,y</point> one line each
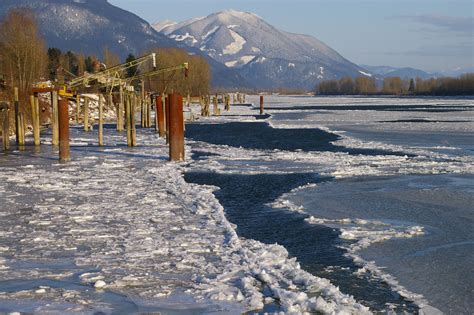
<point>245,199</point>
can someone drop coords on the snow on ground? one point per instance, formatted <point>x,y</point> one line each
<point>119,226</point>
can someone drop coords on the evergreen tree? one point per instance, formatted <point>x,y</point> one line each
<point>411,88</point>
<point>54,62</point>
<point>133,70</point>
<point>89,63</point>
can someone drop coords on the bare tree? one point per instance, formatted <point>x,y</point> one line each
<point>110,59</point>
<point>23,57</point>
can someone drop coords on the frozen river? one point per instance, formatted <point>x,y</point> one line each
<point>325,205</point>
<point>401,194</point>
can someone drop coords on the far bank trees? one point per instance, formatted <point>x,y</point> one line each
<point>463,85</point>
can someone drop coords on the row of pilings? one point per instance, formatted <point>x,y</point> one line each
<point>168,121</point>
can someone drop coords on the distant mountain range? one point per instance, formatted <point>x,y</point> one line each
<point>264,55</point>
<point>242,49</point>
<point>388,71</point>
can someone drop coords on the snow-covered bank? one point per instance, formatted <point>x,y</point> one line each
<point>119,230</point>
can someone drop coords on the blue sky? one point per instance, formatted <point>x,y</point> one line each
<point>432,35</point>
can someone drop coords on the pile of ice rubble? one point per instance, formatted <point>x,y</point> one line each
<point>125,221</point>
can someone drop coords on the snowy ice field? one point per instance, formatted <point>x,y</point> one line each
<point>120,230</point>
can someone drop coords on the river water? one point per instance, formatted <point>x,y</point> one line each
<point>374,194</point>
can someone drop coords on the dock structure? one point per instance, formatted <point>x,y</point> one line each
<point>86,100</point>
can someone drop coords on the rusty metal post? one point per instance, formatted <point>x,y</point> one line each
<point>64,150</point>
<point>167,117</point>
<point>4,109</point>
<point>55,118</point>
<point>86,113</point>
<point>176,127</point>
<point>261,104</point>
<point>101,120</point>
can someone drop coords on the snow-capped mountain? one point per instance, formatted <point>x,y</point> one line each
<point>88,26</point>
<point>268,57</point>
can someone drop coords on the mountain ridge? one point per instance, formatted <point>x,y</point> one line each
<point>79,25</point>
<point>244,41</point>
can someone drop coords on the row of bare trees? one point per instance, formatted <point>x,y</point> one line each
<point>463,85</point>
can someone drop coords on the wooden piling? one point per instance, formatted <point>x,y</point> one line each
<point>132,120</point>
<point>64,150</point>
<point>101,120</point>
<point>227,102</point>
<point>17,116</point>
<point>21,130</point>
<point>78,108</point>
<point>160,114</point>
<point>127,120</point>
<point>167,117</point>
<point>35,119</point>
<point>148,112</point>
<point>86,113</point>
<point>55,118</point>
<point>120,109</point>
<point>261,104</point>
<point>4,109</point>
<point>176,127</point>
<point>216,106</point>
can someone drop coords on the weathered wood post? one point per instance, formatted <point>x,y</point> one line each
<point>227,102</point>
<point>148,111</point>
<point>55,118</point>
<point>202,104</point>
<point>142,112</point>
<point>17,116</point>
<point>160,113</point>
<point>216,106</point>
<point>64,150</point>
<point>4,110</point>
<point>128,125</point>
<point>261,104</point>
<point>86,113</point>
<point>176,127</point>
<point>101,120</point>
<point>132,119</point>
<point>19,121</point>
<point>78,108</point>
<point>120,109</point>
<point>188,100</point>
<point>167,117</point>
<point>35,118</point>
